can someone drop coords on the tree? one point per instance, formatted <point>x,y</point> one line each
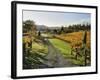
<point>39,33</point>
<point>29,25</point>
<point>62,29</point>
<point>55,31</point>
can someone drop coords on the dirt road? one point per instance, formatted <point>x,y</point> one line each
<point>55,58</point>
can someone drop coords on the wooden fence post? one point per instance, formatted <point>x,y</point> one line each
<point>85,57</point>
<point>76,53</point>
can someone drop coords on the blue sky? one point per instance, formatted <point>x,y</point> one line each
<point>56,18</point>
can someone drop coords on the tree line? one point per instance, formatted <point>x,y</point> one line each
<point>72,28</point>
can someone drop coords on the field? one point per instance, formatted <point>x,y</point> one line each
<point>75,38</point>
<point>67,44</point>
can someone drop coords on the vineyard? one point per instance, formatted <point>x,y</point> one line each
<point>34,52</point>
<point>75,38</point>
<point>77,46</point>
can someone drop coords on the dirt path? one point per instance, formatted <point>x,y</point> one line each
<point>55,58</point>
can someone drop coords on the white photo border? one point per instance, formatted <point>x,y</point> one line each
<point>18,70</point>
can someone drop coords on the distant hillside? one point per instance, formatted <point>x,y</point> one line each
<point>52,28</point>
<point>41,27</point>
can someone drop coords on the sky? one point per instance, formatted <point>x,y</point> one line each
<point>52,19</point>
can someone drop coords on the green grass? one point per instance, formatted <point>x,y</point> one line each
<point>39,47</point>
<point>64,47</point>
